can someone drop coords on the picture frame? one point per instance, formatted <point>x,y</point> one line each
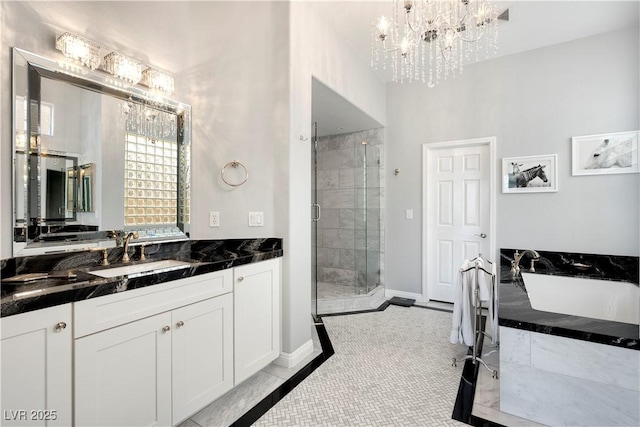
<point>604,154</point>
<point>530,174</point>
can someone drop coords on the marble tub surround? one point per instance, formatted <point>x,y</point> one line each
<point>560,369</point>
<point>559,381</point>
<point>203,256</point>
<point>515,309</point>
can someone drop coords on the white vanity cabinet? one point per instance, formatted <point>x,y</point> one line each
<point>37,368</point>
<point>201,354</point>
<point>145,357</point>
<point>123,375</point>
<point>159,369</point>
<point>257,316</point>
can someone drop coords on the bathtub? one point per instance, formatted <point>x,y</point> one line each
<point>577,296</point>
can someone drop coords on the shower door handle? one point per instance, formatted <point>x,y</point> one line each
<point>318,212</point>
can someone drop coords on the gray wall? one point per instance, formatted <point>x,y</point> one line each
<point>533,103</point>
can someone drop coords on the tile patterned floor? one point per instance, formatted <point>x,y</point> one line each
<point>390,368</point>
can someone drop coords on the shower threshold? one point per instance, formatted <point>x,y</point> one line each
<point>331,304</point>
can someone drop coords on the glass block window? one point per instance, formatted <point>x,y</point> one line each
<point>151,181</point>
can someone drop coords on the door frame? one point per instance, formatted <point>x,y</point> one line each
<point>427,151</point>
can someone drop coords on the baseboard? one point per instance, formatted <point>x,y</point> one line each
<point>289,360</point>
<point>390,293</point>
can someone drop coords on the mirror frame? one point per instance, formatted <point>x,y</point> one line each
<point>24,239</point>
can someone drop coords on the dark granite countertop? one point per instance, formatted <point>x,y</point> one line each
<point>515,309</point>
<point>204,256</point>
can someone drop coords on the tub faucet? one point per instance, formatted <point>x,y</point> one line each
<point>515,264</point>
<point>125,256</point>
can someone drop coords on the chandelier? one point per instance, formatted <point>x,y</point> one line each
<point>428,40</point>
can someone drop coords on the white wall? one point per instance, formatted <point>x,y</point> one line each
<point>533,103</point>
<point>315,51</point>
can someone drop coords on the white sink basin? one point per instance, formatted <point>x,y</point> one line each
<point>136,270</point>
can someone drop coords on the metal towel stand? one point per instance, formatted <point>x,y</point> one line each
<point>477,317</point>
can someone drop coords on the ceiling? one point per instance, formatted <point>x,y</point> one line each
<point>532,25</point>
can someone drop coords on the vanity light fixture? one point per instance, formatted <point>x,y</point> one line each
<point>79,49</point>
<point>87,53</point>
<point>123,68</point>
<point>158,80</point>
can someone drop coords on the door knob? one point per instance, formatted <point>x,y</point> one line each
<point>166,329</point>
<point>180,324</point>
<point>481,235</point>
<point>60,326</point>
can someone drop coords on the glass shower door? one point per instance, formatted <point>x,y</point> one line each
<point>367,217</point>
<point>315,216</point>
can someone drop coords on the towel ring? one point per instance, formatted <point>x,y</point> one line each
<point>235,164</point>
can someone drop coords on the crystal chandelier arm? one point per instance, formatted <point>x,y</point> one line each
<point>473,40</point>
<point>415,29</point>
<point>389,49</point>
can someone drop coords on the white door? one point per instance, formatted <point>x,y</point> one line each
<point>123,375</point>
<point>458,213</point>
<point>202,354</point>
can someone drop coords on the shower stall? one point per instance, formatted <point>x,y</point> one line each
<point>347,253</point>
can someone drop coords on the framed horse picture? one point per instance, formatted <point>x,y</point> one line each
<point>605,154</point>
<point>532,174</point>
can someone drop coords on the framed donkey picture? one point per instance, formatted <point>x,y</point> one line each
<point>532,174</point>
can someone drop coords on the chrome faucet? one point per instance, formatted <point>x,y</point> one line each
<point>515,264</point>
<point>125,255</point>
<point>117,235</point>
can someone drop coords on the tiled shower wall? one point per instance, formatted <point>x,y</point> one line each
<point>347,246</point>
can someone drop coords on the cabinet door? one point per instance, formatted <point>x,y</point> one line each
<point>257,317</point>
<point>123,375</point>
<point>202,354</point>
<point>36,368</point>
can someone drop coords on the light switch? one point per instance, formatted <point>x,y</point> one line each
<point>256,219</point>
<point>409,214</point>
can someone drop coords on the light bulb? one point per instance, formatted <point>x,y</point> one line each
<point>404,47</point>
<point>383,27</point>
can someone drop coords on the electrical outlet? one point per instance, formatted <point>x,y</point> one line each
<point>409,214</point>
<point>214,219</point>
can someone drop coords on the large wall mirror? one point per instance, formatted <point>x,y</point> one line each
<point>91,156</point>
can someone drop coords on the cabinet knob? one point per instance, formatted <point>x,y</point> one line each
<point>166,329</point>
<point>240,279</point>
<point>60,326</point>
<point>180,324</point>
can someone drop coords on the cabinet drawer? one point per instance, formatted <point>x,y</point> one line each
<point>105,312</point>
